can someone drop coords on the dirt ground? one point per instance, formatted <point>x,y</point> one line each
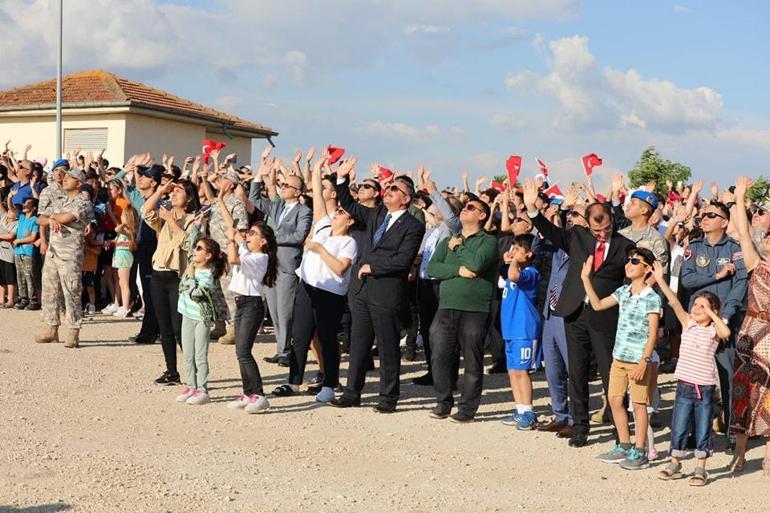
<point>87,430</point>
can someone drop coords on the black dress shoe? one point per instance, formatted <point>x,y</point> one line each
<point>272,359</point>
<point>283,361</point>
<point>345,402</point>
<point>461,418</point>
<point>143,339</point>
<point>440,412</point>
<point>497,368</point>
<point>385,408</point>
<point>425,380</point>
<point>578,440</point>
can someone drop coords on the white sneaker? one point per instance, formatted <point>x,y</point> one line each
<point>198,397</point>
<point>186,393</point>
<point>257,404</point>
<point>109,309</point>
<point>90,309</point>
<point>239,403</point>
<point>325,395</point>
<point>120,312</point>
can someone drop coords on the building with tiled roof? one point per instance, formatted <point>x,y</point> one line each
<point>104,111</point>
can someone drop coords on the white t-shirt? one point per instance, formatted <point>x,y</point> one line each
<point>314,271</point>
<point>247,277</point>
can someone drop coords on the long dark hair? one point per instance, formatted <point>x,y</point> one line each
<point>193,201</point>
<point>218,258</point>
<point>271,248</point>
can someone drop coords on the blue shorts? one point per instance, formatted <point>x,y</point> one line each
<point>523,354</point>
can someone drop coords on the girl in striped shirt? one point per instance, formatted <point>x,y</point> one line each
<point>702,329</point>
<point>196,304</point>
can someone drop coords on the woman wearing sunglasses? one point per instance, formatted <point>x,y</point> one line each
<point>321,294</point>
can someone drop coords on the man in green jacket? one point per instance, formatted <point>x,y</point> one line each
<point>466,264</point>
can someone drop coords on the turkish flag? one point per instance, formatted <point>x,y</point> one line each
<point>553,191</point>
<point>543,167</point>
<point>208,145</point>
<point>334,154</point>
<point>499,187</point>
<point>589,162</point>
<point>513,166</point>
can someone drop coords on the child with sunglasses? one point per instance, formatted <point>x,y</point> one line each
<point>207,264</point>
<point>638,318</point>
<point>695,371</point>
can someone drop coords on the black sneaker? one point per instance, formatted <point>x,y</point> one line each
<point>461,418</point>
<point>143,339</point>
<point>440,412</point>
<point>22,304</point>
<point>33,305</point>
<point>168,378</point>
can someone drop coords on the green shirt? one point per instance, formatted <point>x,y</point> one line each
<point>478,253</point>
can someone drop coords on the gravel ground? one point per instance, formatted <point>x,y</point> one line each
<point>87,430</point>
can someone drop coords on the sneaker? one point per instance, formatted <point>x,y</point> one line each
<point>33,305</point>
<point>239,403</point>
<point>257,404</point>
<point>120,312</point>
<point>652,453</point>
<point>635,460</point>
<point>168,378</point>
<point>527,421</point>
<point>325,395</point>
<point>186,393</point>
<point>21,304</point>
<point>512,420</point>
<point>461,418</point>
<point>198,397</point>
<point>318,379</point>
<point>109,309</point>
<point>90,309</point>
<point>614,455</point>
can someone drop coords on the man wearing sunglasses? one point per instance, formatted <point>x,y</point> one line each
<point>22,190</point>
<point>588,331</point>
<point>378,287</point>
<point>291,222</point>
<point>715,263</point>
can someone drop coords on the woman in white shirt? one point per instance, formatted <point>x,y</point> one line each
<point>322,292</point>
<point>255,265</point>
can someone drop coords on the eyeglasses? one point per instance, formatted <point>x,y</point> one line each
<point>713,215</point>
<point>286,185</point>
<point>199,248</point>
<point>393,188</point>
<point>470,207</point>
<point>251,233</point>
<point>519,220</point>
<point>635,261</point>
<point>760,212</point>
<point>341,211</point>
<point>370,186</point>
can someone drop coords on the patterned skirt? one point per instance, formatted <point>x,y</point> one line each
<point>751,383</point>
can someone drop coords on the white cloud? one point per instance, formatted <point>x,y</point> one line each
<point>403,130</point>
<point>296,62</point>
<point>423,28</point>
<point>590,95</point>
<point>507,123</point>
<point>682,9</point>
<point>759,138</point>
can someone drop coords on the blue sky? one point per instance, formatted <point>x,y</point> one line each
<point>455,85</point>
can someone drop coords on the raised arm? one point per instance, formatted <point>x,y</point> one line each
<point>750,255</point>
<point>347,202</point>
<point>319,205</point>
<point>559,237</point>
<point>597,303</point>
<point>660,278</point>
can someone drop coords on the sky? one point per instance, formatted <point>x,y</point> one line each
<point>451,84</point>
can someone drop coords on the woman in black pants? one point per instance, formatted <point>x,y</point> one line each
<point>173,220</point>
<point>322,292</point>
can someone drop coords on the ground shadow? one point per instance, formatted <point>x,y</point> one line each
<point>43,508</point>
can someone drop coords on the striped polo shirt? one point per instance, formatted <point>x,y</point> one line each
<point>696,362</point>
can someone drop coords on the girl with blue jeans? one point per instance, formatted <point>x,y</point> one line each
<point>696,378</point>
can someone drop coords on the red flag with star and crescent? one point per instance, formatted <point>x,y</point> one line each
<point>513,166</point>
<point>591,161</point>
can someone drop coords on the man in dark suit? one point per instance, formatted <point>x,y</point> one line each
<point>587,330</point>
<point>378,287</point>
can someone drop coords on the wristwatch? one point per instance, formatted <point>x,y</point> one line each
<point>648,359</point>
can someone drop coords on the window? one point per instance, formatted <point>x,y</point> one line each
<point>89,139</point>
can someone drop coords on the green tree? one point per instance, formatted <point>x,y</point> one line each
<point>500,178</point>
<point>652,168</point>
<point>758,191</point>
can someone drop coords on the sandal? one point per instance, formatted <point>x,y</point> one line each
<point>699,477</point>
<point>672,471</point>
<point>284,391</point>
<point>736,465</point>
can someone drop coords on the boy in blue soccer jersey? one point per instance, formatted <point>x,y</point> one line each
<point>520,321</point>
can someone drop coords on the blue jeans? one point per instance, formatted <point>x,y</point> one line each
<point>693,404</point>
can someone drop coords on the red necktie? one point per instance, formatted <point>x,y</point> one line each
<point>599,255</point>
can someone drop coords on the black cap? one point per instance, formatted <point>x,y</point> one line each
<point>151,172</point>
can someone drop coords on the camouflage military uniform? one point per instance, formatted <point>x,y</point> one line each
<point>62,280</point>
<point>49,197</point>
<point>218,232</point>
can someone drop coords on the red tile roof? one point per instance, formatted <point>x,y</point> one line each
<point>99,88</point>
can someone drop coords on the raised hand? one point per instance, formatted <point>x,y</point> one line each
<point>309,154</point>
<point>297,156</point>
<point>588,267</point>
<point>346,167</point>
<point>266,153</point>
<point>530,194</point>
<point>617,183</point>
<point>657,272</point>
<point>697,187</point>
<point>742,184</point>
<point>714,189</point>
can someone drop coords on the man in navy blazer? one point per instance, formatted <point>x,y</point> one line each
<point>378,287</point>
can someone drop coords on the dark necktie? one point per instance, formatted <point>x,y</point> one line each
<point>380,230</point>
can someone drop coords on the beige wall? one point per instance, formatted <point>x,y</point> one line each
<point>40,132</point>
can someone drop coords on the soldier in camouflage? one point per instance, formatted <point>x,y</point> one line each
<point>226,183</point>
<point>67,219</point>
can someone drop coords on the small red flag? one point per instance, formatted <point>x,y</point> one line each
<point>543,167</point>
<point>553,191</point>
<point>208,145</point>
<point>513,166</point>
<point>384,174</point>
<point>589,162</point>
<point>499,187</point>
<point>334,154</point>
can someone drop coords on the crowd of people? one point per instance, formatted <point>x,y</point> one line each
<point>580,284</point>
